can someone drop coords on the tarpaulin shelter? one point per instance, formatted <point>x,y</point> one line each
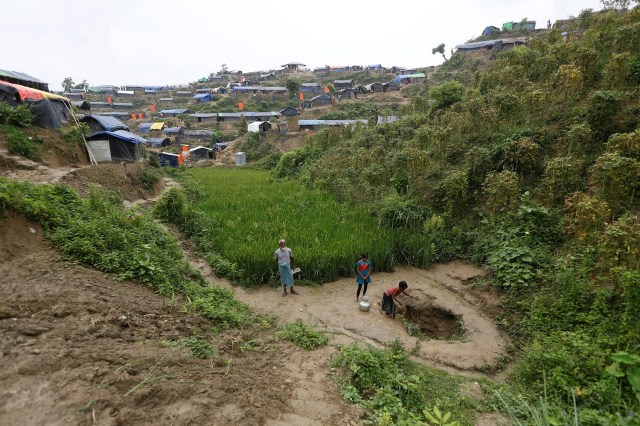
<point>119,145</point>
<point>157,142</point>
<point>411,78</point>
<point>200,153</point>
<point>83,105</point>
<point>144,128</point>
<point>73,96</point>
<point>23,80</point>
<point>259,126</point>
<point>173,131</point>
<point>103,123</point>
<point>122,105</point>
<point>9,94</point>
<point>174,112</point>
<point>205,116</point>
<point>198,134</point>
<point>220,146</point>
<point>490,30</point>
<point>50,110</point>
<point>168,159</point>
<point>157,126</point>
<point>203,97</point>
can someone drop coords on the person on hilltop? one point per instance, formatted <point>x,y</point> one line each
<point>363,274</point>
<point>389,298</point>
<point>284,258</point>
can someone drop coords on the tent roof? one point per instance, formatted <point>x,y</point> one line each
<point>175,111</point>
<point>144,126</point>
<point>34,94</point>
<point>172,130</point>
<point>157,126</point>
<point>120,134</point>
<point>199,148</point>
<point>20,76</point>
<point>204,114</point>
<point>109,123</point>
<point>202,96</point>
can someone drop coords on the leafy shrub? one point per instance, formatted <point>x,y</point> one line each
<point>584,216</point>
<point>398,211</point>
<point>292,162</point>
<point>19,115</point>
<point>615,179</point>
<point>501,191</point>
<point>446,94</point>
<point>20,144</point>
<point>395,389</point>
<point>269,162</point>
<point>149,176</point>
<point>562,176</point>
<point>452,191</point>
<point>625,144</point>
<point>303,335</point>
<point>220,305</point>
<point>513,264</point>
<point>569,361</point>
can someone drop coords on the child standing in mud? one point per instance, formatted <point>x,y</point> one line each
<point>389,298</point>
<point>363,277</point>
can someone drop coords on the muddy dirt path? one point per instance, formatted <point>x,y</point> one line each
<point>332,308</point>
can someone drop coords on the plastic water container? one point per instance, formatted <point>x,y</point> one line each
<point>241,159</point>
<point>364,304</point>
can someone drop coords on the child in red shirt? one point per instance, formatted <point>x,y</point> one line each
<point>389,298</point>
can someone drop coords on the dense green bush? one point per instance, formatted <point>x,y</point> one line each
<point>19,115</point>
<point>20,144</point>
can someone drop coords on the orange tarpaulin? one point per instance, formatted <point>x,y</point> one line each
<point>108,99</point>
<point>301,96</point>
<point>34,94</point>
<point>152,107</point>
<point>326,89</point>
<point>240,105</point>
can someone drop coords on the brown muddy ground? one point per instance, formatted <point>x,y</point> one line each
<point>77,347</point>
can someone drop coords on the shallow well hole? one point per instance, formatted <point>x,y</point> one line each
<point>435,321</point>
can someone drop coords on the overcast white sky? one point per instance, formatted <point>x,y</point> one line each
<point>157,42</point>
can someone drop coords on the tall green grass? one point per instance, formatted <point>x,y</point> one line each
<point>254,212</point>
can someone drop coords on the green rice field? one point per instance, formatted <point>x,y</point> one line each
<point>326,237</point>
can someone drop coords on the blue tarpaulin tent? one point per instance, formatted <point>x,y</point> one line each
<point>168,159</point>
<point>157,142</point>
<point>174,131</point>
<point>203,97</point>
<point>144,128</point>
<point>119,145</point>
<point>103,123</point>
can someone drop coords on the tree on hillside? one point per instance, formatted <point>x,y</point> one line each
<point>293,86</point>
<point>440,50</point>
<point>617,4</point>
<point>223,69</point>
<point>84,85</point>
<point>67,84</point>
